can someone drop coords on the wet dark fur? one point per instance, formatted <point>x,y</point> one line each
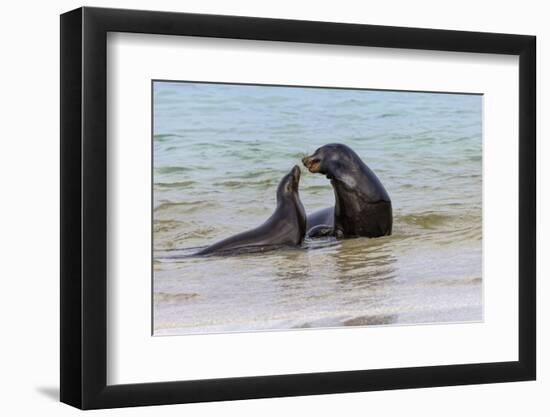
<point>285,227</point>
<point>362,205</point>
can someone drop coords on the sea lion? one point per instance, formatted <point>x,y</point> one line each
<point>362,205</point>
<point>320,223</point>
<point>285,227</point>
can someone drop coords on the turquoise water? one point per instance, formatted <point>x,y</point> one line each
<point>219,153</point>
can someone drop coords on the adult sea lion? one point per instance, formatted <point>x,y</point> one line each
<point>285,227</point>
<point>362,208</point>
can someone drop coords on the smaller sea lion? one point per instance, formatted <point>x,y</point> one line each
<point>285,227</point>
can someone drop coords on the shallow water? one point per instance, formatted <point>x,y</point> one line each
<point>219,153</point>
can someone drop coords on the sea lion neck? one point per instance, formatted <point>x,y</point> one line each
<point>359,180</point>
<point>288,199</point>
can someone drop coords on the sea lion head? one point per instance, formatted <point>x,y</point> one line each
<point>288,200</point>
<point>334,160</point>
<point>346,171</point>
<point>288,186</point>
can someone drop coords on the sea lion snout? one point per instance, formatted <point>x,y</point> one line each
<point>312,163</point>
<point>294,178</point>
<point>296,172</point>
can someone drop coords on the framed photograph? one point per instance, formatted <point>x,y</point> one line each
<point>258,208</point>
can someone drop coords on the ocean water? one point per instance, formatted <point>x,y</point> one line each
<point>219,151</point>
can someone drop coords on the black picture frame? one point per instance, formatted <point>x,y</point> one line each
<point>84,207</point>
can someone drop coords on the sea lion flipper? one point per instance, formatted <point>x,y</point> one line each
<point>321,230</point>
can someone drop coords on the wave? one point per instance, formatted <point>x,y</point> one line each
<point>317,189</point>
<point>189,205</point>
<point>440,228</point>
<point>457,281</point>
<point>164,137</point>
<point>247,184</point>
<point>164,297</point>
<point>172,169</point>
<point>425,220</point>
<point>386,115</point>
<point>178,184</point>
<point>160,226</point>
